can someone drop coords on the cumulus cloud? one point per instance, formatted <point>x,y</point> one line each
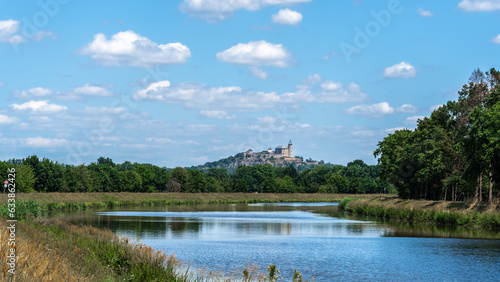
<point>392,130</point>
<point>331,86</point>
<point>200,96</point>
<point>216,114</point>
<point>131,49</point>
<point>4,119</point>
<point>256,53</point>
<point>214,10</point>
<point>425,13</point>
<point>406,108</point>
<point>33,93</point>
<point>9,30</point>
<point>287,17</point>
<point>377,110</point>
<point>312,79</point>
<point>92,90</point>
<point>479,5</point>
<point>435,107</point>
<point>413,120</point>
<point>104,110</point>
<point>38,107</point>
<point>78,92</point>
<point>380,109</point>
<point>44,142</point>
<point>258,72</point>
<point>496,39</point>
<point>401,70</point>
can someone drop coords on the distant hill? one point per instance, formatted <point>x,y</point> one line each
<point>251,158</point>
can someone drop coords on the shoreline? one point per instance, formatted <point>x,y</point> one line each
<point>423,211</point>
<point>70,201</point>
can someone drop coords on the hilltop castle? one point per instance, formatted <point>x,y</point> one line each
<point>280,151</point>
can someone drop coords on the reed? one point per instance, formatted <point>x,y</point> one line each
<point>423,211</point>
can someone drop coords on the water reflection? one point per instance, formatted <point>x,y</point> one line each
<point>317,239</point>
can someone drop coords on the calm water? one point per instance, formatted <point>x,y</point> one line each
<point>316,239</point>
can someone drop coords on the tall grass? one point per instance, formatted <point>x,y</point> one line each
<point>59,251</point>
<point>410,213</point>
<point>21,209</point>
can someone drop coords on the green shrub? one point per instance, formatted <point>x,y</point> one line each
<point>344,203</point>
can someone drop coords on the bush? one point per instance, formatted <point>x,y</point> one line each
<point>21,210</point>
<point>343,203</point>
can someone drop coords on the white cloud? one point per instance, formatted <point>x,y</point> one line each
<point>216,114</point>
<point>258,72</point>
<point>496,39</point>
<point>435,107</point>
<point>91,90</point>
<point>406,108</point>
<point>8,32</point>
<point>392,130</point>
<point>380,109</point>
<point>312,79</point>
<point>375,110</point>
<point>331,86</point>
<point>38,107</point>
<point>256,53</point>
<point>425,13</point>
<point>287,16</point>
<point>200,96</point>
<point>104,110</point>
<point>2,84</point>
<point>4,119</point>
<point>479,5</point>
<point>401,70</point>
<point>42,34</point>
<point>213,10</point>
<point>33,92</point>
<point>129,48</point>
<point>413,120</point>
<point>44,142</point>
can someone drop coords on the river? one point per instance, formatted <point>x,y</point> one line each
<point>314,238</point>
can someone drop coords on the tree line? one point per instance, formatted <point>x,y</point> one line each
<point>44,175</point>
<point>455,153</point>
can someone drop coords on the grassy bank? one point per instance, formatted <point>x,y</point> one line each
<point>455,213</point>
<point>55,250</point>
<point>58,251</point>
<point>60,201</point>
<point>49,249</point>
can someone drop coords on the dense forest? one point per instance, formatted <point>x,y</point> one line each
<point>455,153</point>
<point>44,175</point>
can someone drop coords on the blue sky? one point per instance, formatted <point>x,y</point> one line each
<point>180,83</point>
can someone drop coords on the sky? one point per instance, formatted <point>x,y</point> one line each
<point>180,83</point>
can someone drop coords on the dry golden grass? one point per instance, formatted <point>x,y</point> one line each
<point>35,260</point>
<point>54,250</point>
<point>395,202</point>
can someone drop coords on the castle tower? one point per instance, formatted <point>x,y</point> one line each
<point>290,149</point>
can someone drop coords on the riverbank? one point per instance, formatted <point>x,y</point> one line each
<point>440,212</point>
<point>61,201</point>
<point>48,249</point>
<point>58,251</point>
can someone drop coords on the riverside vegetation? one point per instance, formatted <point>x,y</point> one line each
<point>55,250</point>
<point>439,212</point>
